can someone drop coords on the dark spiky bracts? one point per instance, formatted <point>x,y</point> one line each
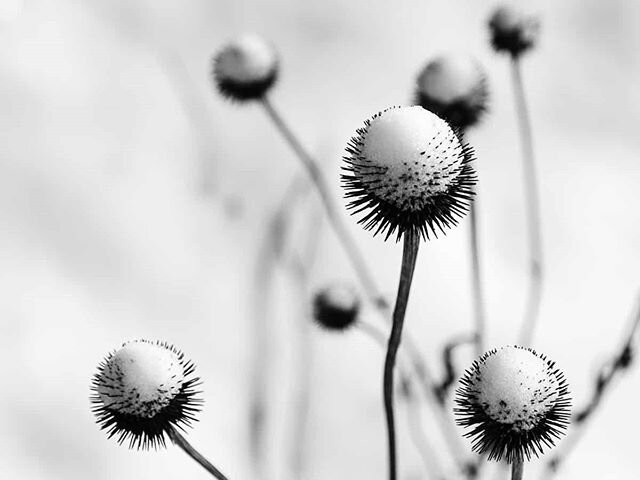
<point>242,91</point>
<point>435,213</point>
<point>533,430</point>
<point>142,432</point>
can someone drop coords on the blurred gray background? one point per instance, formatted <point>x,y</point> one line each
<point>133,200</point>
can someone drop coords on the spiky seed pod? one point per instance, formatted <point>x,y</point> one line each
<point>336,307</point>
<point>408,168</point>
<point>454,87</point>
<point>142,390</point>
<point>513,30</point>
<point>245,68</point>
<point>515,402</point>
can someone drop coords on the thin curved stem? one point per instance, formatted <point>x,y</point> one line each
<point>193,453</point>
<point>532,200</point>
<point>616,365</point>
<point>517,470</point>
<point>353,252</point>
<point>417,433</point>
<point>409,256</point>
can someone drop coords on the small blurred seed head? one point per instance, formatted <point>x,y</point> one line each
<point>245,68</point>
<point>407,171</point>
<point>142,390</point>
<point>454,87</point>
<point>336,307</point>
<point>515,402</point>
<point>513,30</point>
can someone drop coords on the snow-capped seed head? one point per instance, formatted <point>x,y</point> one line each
<point>142,390</point>
<point>455,88</point>
<point>245,68</point>
<point>409,168</point>
<point>336,307</point>
<point>513,30</point>
<point>515,401</point>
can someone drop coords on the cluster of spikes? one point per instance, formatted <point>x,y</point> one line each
<point>422,212</point>
<point>133,421</point>
<point>520,431</point>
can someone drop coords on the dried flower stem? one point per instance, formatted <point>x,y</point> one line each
<point>269,253</point>
<point>476,282</point>
<point>409,256</point>
<point>620,361</point>
<point>476,276</point>
<point>516,470</point>
<point>182,442</point>
<point>353,252</point>
<point>533,208</point>
<point>418,435</point>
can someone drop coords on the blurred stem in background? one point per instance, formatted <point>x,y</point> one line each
<point>532,201</point>
<point>353,251</point>
<point>409,257</point>
<point>477,288</point>
<point>618,364</point>
<point>182,442</point>
<point>299,269</point>
<point>268,255</point>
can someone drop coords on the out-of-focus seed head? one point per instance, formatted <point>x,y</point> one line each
<point>454,87</point>
<point>143,390</point>
<point>513,30</point>
<point>245,68</point>
<point>336,307</point>
<point>515,402</point>
<point>407,171</point>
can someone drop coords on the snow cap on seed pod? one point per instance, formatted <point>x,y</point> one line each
<point>336,307</point>
<point>407,171</point>
<point>514,402</point>
<point>245,68</point>
<point>513,30</point>
<point>143,390</point>
<point>453,87</point>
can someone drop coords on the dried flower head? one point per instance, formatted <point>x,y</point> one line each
<point>453,87</point>
<point>513,30</point>
<point>515,402</point>
<point>336,307</point>
<point>408,168</point>
<point>245,68</point>
<point>142,390</point>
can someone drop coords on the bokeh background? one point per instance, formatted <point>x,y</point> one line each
<point>133,201</point>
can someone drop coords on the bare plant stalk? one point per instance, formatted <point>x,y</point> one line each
<point>300,267</point>
<point>268,255</point>
<point>617,364</point>
<point>534,294</point>
<point>409,256</point>
<point>476,282</point>
<point>182,442</point>
<point>516,470</point>
<point>353,252</point>
<point>418,435</point>
<point>477,287</point>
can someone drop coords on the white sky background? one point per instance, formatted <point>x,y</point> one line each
<point>109,129</point>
